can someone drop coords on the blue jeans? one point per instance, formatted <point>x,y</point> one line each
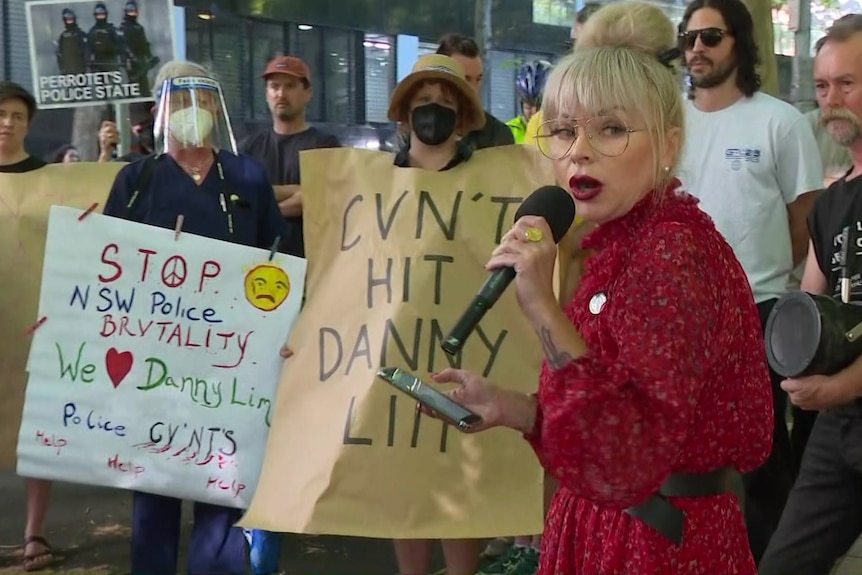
<point>216,546</point>
<point>265,551</point>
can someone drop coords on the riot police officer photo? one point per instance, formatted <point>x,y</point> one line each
<point>138,58</point>
<point>112,58</point>
<point>104,41</point>
<point>72,46</point>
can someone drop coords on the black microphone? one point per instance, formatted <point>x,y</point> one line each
<point>556,206</point>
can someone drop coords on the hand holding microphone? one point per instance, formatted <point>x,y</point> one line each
<point>527,252</point>
<point>528,249</point>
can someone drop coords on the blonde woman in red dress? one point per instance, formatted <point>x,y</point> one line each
<point>655,395</point>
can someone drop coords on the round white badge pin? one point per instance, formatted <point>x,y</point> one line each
<point>597,303</point>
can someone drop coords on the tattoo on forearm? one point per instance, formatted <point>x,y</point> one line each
<point>556,359</point>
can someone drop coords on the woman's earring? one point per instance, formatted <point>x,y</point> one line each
<point>667,169</point>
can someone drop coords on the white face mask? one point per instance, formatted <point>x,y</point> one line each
<point>190,126</point>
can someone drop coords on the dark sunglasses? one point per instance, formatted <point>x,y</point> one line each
<point>710,37</point>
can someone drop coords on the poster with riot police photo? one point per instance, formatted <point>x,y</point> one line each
<point>85,52</point>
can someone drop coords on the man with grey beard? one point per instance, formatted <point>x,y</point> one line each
<point>288,92</point>
<point>835,159</point>
<point>823,516</point>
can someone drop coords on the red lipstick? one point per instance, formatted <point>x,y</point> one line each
<point>585,188</point>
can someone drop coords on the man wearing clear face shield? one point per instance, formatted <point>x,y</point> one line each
<point>195,173</point>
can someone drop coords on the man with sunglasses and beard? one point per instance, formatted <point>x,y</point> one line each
<point>823,517</point>
<point>753,162</point>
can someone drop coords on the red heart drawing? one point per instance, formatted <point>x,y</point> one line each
<point>119,365</point>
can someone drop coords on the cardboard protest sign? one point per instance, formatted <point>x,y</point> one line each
<point>85,52</point>
<point>157,364</point>
<point>25,200</point>
<point>395,255</point>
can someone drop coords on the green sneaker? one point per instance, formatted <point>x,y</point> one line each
<point>527,563</point>
<point>505,562</point>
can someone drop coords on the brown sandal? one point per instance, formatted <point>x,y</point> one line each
<point>39,560</point>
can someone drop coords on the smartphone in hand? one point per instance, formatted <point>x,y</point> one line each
<point>441,404</point>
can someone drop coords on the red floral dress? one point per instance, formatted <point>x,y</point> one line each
<point>675,380</point>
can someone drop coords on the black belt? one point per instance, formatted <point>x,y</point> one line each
<point>669,520</point>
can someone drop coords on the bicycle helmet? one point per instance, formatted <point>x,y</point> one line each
<point>530,81</point>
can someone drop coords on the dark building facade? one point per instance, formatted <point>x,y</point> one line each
<point>353,47</point>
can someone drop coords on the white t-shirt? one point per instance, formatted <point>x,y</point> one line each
<point>746,163</point>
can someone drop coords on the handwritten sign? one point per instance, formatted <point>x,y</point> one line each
<point>24,203</point>
<point>395,256</point>
<point>158,362</point>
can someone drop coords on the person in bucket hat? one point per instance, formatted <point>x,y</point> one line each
<point>435,107</point>
<point>439,68</point>
<point>465,52</point>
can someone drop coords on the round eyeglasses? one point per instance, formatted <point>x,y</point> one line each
<point>607,135</point>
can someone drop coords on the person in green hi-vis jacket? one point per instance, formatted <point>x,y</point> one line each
<point>529,82</point>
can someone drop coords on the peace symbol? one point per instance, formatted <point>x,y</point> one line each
<point>176,276</point>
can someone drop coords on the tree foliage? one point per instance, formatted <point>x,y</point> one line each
<point>827,4</point>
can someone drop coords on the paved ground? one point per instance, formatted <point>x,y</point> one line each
<point>852,563</point>
<point>89,526</point>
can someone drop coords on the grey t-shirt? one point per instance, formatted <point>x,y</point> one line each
<point>279,154</point>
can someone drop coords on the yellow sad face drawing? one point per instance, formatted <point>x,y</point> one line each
<point>266,287</point>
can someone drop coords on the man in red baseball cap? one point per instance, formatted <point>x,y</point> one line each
<point>290,65</point>
<point>288,92</point>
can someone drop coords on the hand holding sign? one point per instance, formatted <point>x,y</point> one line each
<point>109,137</point>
